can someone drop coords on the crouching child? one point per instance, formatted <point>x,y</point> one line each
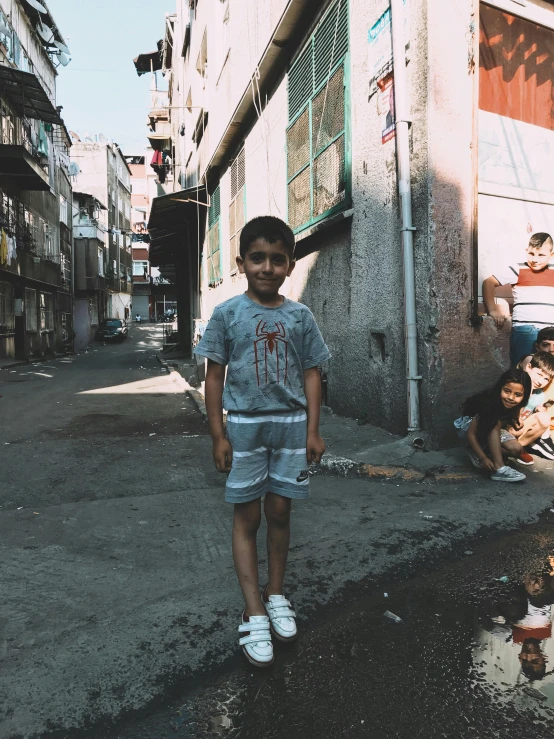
<point>482,425</point>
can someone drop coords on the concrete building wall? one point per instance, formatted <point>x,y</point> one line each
<point>350,272</point>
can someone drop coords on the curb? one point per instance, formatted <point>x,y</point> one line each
<point>196,396</point>
<point>344,467</point>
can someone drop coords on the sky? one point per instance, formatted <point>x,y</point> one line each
<point>100,90</point>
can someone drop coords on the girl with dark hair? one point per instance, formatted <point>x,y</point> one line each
<point>483,421</point>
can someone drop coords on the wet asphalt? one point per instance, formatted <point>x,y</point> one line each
<point>120,604</point>
<point>445,670</point>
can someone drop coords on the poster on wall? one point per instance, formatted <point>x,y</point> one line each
<point>380,47</point>
<point>385,107</point>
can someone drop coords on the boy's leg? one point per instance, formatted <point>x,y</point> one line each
<point>246,523</point>
<point>522,342</point>
<point>277,512</point>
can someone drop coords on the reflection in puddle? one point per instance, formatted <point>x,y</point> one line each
<point>219,724</point>
<point>513,641</point>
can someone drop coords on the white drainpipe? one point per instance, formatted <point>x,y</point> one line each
<point>405,193</point>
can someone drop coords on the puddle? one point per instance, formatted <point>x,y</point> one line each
<point>473,656</point>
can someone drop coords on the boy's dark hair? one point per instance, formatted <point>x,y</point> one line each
<point>545,334</point>
<point>537,240</point>
<point>543,361</point>
<point>488,406</point>
<point>269,228</point>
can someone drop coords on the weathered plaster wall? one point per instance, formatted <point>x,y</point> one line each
<point>461,358</point>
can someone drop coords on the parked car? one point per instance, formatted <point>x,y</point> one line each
<point>112,329</point>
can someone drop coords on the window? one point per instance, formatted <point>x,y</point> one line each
<point>64,211</point>
<point>318,166</point>
<point>214,251</point>
<point>237,209</point>
<point>31,323</point>
<point>100,262</point>
<point>7,318</point>
<point>66,270</point>
<point>46,312</point>
<point>93,311</point>
<point>140,269</point>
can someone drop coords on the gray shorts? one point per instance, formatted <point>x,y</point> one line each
<point>269,454</point>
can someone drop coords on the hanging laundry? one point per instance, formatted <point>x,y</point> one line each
<point>11,250</point>
<point>156,160</point>
<point>3,247</point>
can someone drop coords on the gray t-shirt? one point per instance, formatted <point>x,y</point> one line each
<point>266,351</point>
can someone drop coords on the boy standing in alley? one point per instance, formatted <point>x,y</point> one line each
<point>533,290</point>
<point>270,347</point>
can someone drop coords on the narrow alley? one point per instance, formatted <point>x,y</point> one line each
<point>119,591</point>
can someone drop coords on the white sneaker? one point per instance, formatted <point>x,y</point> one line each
<point>281,617</point>
<point>256,642</point>
<point>508,474</point>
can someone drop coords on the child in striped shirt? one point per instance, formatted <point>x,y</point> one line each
<point>532,284</point>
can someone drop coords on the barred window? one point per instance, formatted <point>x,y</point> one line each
<point>31,322</point>
<point>318,154</point>
<point>237,209</point>
<point>214,240</point>
<point>7,318</point>
<point>46,312</point>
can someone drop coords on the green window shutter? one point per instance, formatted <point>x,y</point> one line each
<point>301,81</point>
<point>214,251</point>
<point>330,41</point>
<point>318,161</point>
<point>215,207</point>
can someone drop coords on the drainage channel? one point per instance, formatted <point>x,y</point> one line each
<point>466,651</point>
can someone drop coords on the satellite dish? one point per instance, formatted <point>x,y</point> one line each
<point>45,32</point>
<point>37,6</point>
<point>61,47</point>
<point>64,59</point>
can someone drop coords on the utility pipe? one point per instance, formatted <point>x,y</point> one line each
<point>405,193</point>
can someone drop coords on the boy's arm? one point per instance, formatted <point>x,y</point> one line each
<point>494,310</point>
<point>315,446</point>
<point>222,451</point>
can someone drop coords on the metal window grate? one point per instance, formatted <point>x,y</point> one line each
<point>329,181</point>
<point>328,112</point>
<point>298,144</point>
<point>299,199</point>
<point>317,166</point>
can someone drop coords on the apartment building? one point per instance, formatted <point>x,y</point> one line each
<point>35,187</point>
<point>407,144</point>
<point>102,173</point>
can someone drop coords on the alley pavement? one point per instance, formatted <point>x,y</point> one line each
<point>118,591</point>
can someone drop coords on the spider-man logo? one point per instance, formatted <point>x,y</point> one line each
<point>271,352</point>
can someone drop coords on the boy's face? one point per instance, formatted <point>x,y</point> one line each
<point>539,377</point>
<point>266,267</point>
<point>546,346</point>
<point>538,257</point>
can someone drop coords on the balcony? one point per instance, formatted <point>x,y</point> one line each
<point>21,164</point>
